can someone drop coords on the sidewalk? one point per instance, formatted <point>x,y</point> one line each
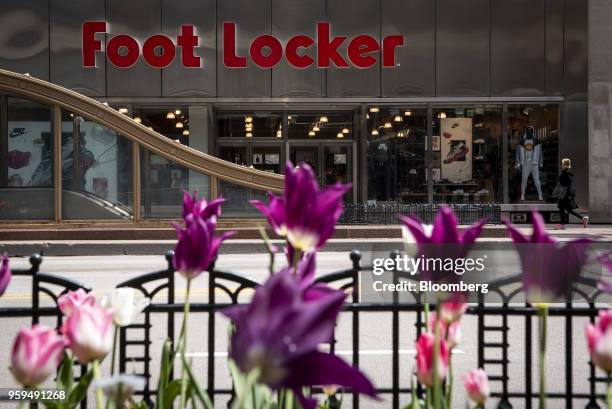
<point>347,238</point>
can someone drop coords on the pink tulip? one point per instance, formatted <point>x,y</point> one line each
<point>451,332</point>
<point>88,332</point>
<point>476,384</point>
<point>72,300</point>
<point>37,352</point>
<point>425,359</point>
<point>452,310</point>
<point>599,339</point>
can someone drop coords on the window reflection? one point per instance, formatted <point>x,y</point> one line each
<point>397,163</point>
<point>533,152</point>
<point>26,161</point>
<point>96,171</point>
<point>320,125</point>
<point>466,154</point>
<point>249,125</point>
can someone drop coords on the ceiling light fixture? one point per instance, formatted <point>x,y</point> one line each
<point>324,119</point>
<point>388,125</point>
<point>177,112</point>
<point>374,109</point>
<point>345,131</point>
<point>179,125</point>
<point>311,133</point>
<point>316,128</point>
<point>123,110</point>
<point>170,115</point>
<point>249,135</point>
<point>442,115</point>
<point>408,113</point>
<point>375,132</point>
<point>397,118</point>
<point>137,119</point>
<point>248,119</point>
<point>340,135</point>
<point>186,132</point>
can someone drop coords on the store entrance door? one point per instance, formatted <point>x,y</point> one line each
<point>331,162</point>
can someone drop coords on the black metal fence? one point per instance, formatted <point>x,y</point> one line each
<point>505,327</point>
<point>359,213</point>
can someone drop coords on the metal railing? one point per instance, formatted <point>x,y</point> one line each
<point>495,336</point>
<point>359,213</point>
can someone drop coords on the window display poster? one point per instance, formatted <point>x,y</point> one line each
<point>435,143</point>
<point>272,159</point>
<point>339,159</point>
<point>456,149</point>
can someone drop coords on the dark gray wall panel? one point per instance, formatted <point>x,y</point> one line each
<point>291,17</point>
<point>67,18</point>
<point>517,47</point>
<point>415,20</point>
<point>554,47</point>
<point>140,22</point>
<point>576,49</point>
<point>574,144</point>
<point>24,37</point>
<point>462,48</point>
<point>176,79</point>
<point>253,18</point>
<point>351,19</point>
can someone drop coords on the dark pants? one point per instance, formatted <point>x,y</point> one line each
<point>565,212</point>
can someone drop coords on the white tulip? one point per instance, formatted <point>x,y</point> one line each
<point>125,305</point>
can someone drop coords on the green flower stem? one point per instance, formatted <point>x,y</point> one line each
<point>297,255</point>
<point>543,318</point>
<point>428,393</point>
<point>449,390</point>
<point>436,358</point>
<point>269,248</point>
<point>114,354</point>
<point>183,347</point>
<point>97,376</point>
<point>609,394</point>
<point>251,380</point>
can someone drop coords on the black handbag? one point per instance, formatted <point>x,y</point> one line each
<point>559,191</point>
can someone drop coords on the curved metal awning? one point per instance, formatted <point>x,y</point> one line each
<point>43,91</point>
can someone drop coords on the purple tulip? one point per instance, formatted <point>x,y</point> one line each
<point>606,261</point>
<point>5,274</point>
<point>197,247</point>
<point>197,244</point>
<point>279,333</point>
<point>549,269</point>
<point>201,208</point>
<point>305,215</point>
<point>444,241</point>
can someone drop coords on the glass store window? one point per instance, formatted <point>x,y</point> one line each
<point>533,152</point>
<point>249,125</point>
<point>308,125</point>
<point>396,156</point>
<point>26,160</point>
<point>466,154</point>
<point>96,171</point>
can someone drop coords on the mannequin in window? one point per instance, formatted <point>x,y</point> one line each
<point>530,161</point>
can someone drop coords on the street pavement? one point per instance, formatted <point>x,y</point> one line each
<point>102,273</point>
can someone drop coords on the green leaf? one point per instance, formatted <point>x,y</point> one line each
<point>65,376</point>
<point>201,395</point>
<point>78,393</point>
<point>164,376</point>
<point>173,389</point>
